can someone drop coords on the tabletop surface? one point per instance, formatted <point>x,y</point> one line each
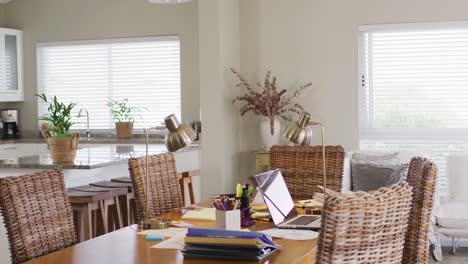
<point>125,246</point>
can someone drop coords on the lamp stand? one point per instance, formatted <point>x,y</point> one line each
<point>148,223</point>
<point>324,163</point>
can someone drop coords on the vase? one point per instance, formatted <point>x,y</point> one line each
<point>124,129</point>
<point>63,150</point>
<point>268,139</point>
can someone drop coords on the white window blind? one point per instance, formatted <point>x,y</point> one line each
<point>414,89</point>
<point>144,70</point>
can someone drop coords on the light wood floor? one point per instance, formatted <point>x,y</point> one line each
<point>460,257</point>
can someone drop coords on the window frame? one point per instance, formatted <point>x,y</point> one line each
<point>456,134</point>
<point>40,89</point>
<point>402,136</point>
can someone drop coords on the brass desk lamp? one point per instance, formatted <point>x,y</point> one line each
<point>300,133</point>
<point>179,136</point>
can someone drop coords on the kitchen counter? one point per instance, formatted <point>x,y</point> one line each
<point>87,158</point>
<point>101,139</point>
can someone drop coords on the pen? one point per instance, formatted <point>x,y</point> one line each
<point>250,191</point>
<point>238,190</point>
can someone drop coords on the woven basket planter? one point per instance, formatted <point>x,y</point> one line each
<point>62,150</point>
<point>124,129</point>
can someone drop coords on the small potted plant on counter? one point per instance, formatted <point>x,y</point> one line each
<point>123,115</point>
<point>62,145</point>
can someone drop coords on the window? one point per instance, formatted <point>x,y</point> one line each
<point>144,70</point>
<point>414,89</point>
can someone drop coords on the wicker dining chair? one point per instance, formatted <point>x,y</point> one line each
<point>302,168</point>
<point>164,194</point>
<point>365,227</point>
<point>422,176</point>
<point>37,214</point>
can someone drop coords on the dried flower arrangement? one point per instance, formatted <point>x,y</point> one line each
<point>271,101</point>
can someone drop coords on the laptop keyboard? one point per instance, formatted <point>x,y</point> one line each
<point>303,220</point>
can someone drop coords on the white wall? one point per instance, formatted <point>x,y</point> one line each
<point>316,41</point>
<point>62,20</point>
<point>219,50</point>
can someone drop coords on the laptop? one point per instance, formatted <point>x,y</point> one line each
<point>277,198</point>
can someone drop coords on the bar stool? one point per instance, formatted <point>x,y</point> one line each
<point>186,178</point>
<point>87,207</point>
<point>124,200</point>
<point>122,180</point>
<point>111,212</point>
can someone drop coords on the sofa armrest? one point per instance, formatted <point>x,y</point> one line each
<point>346,183</point>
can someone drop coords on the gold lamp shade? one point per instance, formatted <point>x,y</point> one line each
<point>179,136</point>
<point>300,132</point>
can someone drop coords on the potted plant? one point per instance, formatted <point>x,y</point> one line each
<point>271,103</point>
<point>62,145</point>
<point>123,115</point>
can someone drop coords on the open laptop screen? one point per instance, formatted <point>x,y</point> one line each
<point>276,195</point>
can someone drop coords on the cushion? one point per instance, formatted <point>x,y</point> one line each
<point>453,215</point>
<point>370,177</point>
<point>462,233</point>
<point>371,172</point>
<point>387,159</point>
<point>457,168</point>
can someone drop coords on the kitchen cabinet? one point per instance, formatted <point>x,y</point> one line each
<point>8,151</point>
<point>11,65</point>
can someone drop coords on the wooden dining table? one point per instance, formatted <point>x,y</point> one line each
<point>125,246</point>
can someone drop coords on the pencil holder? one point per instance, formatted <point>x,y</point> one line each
<point>246,219</point>
<point>228,220</point>
<point>244,202</point>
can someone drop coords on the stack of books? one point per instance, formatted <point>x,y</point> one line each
<point>225,244</point>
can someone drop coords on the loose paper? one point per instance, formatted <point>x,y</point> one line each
<point>169,232</point>
<point>258,199</point>
<point>176,242</point>
<point>309,203</point>
<point>202,214</point>
<point>293,234</point>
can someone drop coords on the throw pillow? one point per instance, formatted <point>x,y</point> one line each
<point>370,177</point>
<point>388,159</point>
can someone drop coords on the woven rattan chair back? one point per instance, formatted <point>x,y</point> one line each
<point>164,194</point>
<point>37,214</point>
<point>365,227</point>
<point>422,176</point>
<point>302,168</point>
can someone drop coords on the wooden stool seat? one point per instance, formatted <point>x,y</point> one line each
<point>126,201</point>
<point>122,180</point>
<point>87,197</point>
<point>90,188</point>
<point>110,184</point>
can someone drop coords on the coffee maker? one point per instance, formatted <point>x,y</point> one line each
<point>10,123</point>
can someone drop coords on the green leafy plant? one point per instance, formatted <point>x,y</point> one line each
<point>121,111</point>
<point>59,116</point>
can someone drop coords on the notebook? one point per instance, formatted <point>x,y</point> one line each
<point>224,244</point>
